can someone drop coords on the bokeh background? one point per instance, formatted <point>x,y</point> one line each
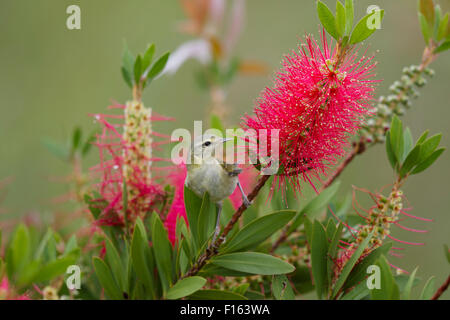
<point>51,78</point>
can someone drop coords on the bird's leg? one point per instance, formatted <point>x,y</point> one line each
<point>244,197</point>
<point>217,231</point>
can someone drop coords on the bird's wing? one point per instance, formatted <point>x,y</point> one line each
<point>232,169</point>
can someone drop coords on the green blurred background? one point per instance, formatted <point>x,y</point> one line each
<point>51,78</point>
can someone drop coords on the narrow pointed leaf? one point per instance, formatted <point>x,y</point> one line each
<point>350,264</point>
<point>281,288</point>
<point>428,289</point>
<point>216,295</point>
<point>327,19</point>
<point>349,14</point>
<point>406,294</point>
<point>258,230</point>
<point>185,287</point>
<point>319,250</point>
<point>428,162</point>
<point>362,31</point>
<point>106,279</point>
<point>253,262</point>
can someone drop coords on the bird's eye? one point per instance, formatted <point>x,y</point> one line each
<point>207,143</point>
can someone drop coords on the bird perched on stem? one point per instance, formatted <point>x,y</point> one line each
<point>207,172</point>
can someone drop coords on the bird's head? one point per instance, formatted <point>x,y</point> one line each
<point>206,147</point>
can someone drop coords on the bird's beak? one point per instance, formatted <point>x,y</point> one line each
<point>225,140</point>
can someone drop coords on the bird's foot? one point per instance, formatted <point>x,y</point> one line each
<point>246,202</point>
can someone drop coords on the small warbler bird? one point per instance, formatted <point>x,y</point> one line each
<point>207,173</point>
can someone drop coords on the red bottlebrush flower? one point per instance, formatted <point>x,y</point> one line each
<point>319,97</point>
<point>177,208</point>
<point>126,156</point>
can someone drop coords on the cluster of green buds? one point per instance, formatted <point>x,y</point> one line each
<point>300,255</point>
<point>137,137</point>
<point>381,216</point>
<point>403,92</point>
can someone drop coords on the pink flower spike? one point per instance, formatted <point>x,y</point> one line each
<point>177,209</point>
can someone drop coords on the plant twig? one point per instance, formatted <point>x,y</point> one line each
<point>441,289</point>
<point>213,248</point>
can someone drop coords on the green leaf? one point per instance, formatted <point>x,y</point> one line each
<point>447,253</point>
<point>141,257</point>
<point>253,262</point>
<point>429,146</point>
<point>331,228</point>
<point>424,26</point>
<point>319,250</point>
<point>216,123</point>
<point>406,294</point>
<point>76,138</point>
<point>388,287</point>
<point>428,289</point>
<point>437,20</point>
<point>258,230</point>
<point>340,18</point>
<point>349,14</point>
<point>362,31</point>
<point>106,280</point>
<point>397,137</point>
<point>407,143</point>
<point>127,65</point>
<point>359,272</point>
<point>308,230</point>
<point>206,219</point>
<point>389,151</point>
<point>348,267</point>
<point>148,57</point>
<point>442,31</point>
<point>359,292</point>
<point>138,69</point>
<point>57,149</point>
<point>193,205</point>
<point>42,245</point>
<point>185,287</point>
<point>443,47</point>
<point>211,269</point>
<point>112,258</point>
<point>423,137</point>
<point>281,288</point>
<point>332,250</point>
<point>216,295</point>
<point>428,162</point>
<point>241,289</point>
<point>57,267</point>
<point>163,251</point>
<point>70,245</point>
<point>127,77</point>
<point>411,160</point>
<point>327,19</point>
<point>159,66</point>
<point>88,143</point>
<point>19,251</point>
<point>426,8</point>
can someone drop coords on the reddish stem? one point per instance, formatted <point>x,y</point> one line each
<point>441,289</point>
